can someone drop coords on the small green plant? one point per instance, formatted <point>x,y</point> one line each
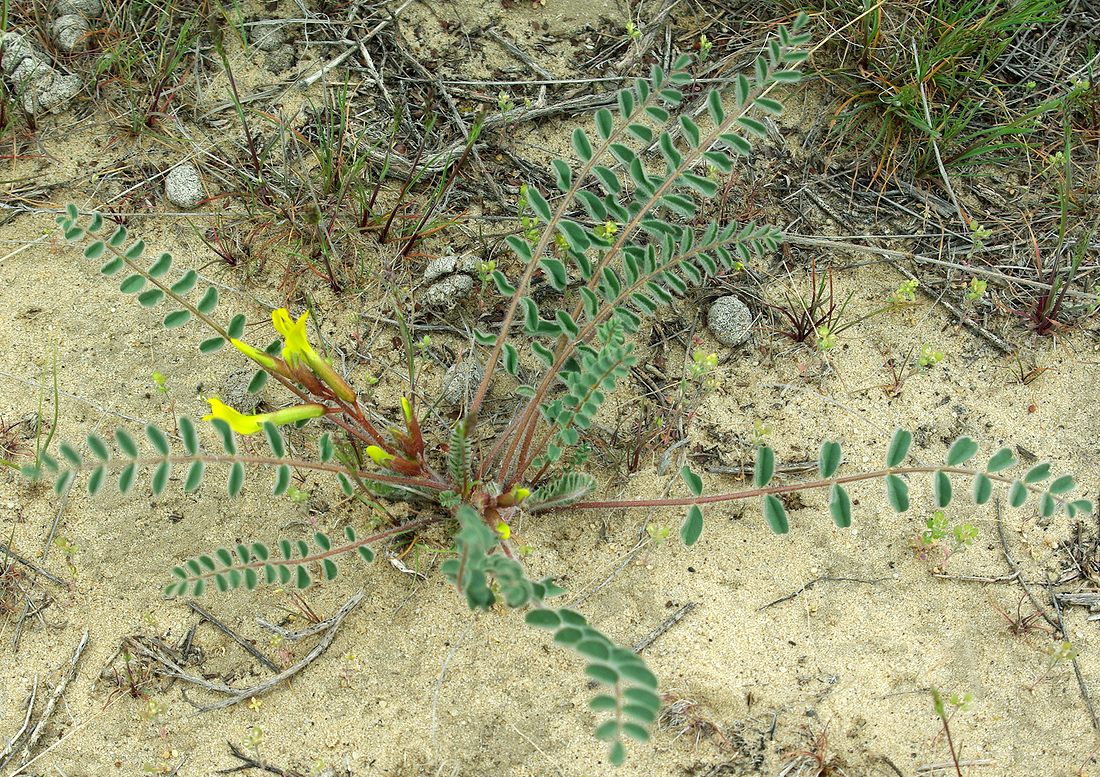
<point>904,294</point>
<point>945,711</point>
<point>976,289</point>
<point>1059,652</point>
<point>929,356</point>
<point>940,539</point>
<point>471,477</point>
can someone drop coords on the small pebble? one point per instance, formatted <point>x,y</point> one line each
<point>69,31</point>
<point>183,187</point>
<point>730,320</point>
<point>88,8</point>
<point>461,381</point>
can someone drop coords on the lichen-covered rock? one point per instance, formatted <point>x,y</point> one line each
<point>14,49</point>
<point>445,295</point>
<point>461,381</point>
<point>451,278</point>
<point>49,92</point>
<point>183,186</point>
<point>280,59</point>
<point>445,265</point>
<point>69,31</point>
<point>730,320</point>
<point>269,35</point>
<point>88,8</point>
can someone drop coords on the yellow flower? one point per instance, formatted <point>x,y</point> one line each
<point>296,347</point>
<point>250,424</point>
<point>379,456</point>
<point>296,350</point>
<point>504,530</point>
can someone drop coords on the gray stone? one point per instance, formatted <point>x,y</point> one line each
<point>87,8</point>
<point>269,36</point>
<point>730,321</point>
<point>445,265</point>
<point>280,59</point>
<point>183,187</point>
<point>461,381</point>
<point>15,50</point>
<point>69,31</point>
<point>445,295</point>
<point>28,72</point>
<point>49,91</point>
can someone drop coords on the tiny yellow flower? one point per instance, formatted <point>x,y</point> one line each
<point>250,424</point>
<point>254,704</point>
<point>504,530</point>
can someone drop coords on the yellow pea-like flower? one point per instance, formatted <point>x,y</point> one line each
<point>297,350</point>
<point>250,424</point>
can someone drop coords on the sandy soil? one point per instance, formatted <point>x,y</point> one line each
<point>820,636</point>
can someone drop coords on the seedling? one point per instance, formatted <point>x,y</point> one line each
<point>940,540</point>
<point>945,711</point>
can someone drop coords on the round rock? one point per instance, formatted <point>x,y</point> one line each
<point>445,295</point>
<point>183,187</point>
<point>730,320</point>
<point>15,50</point>
<point>69,31</point>
<point>461,381</point>
<point>88,8</point>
